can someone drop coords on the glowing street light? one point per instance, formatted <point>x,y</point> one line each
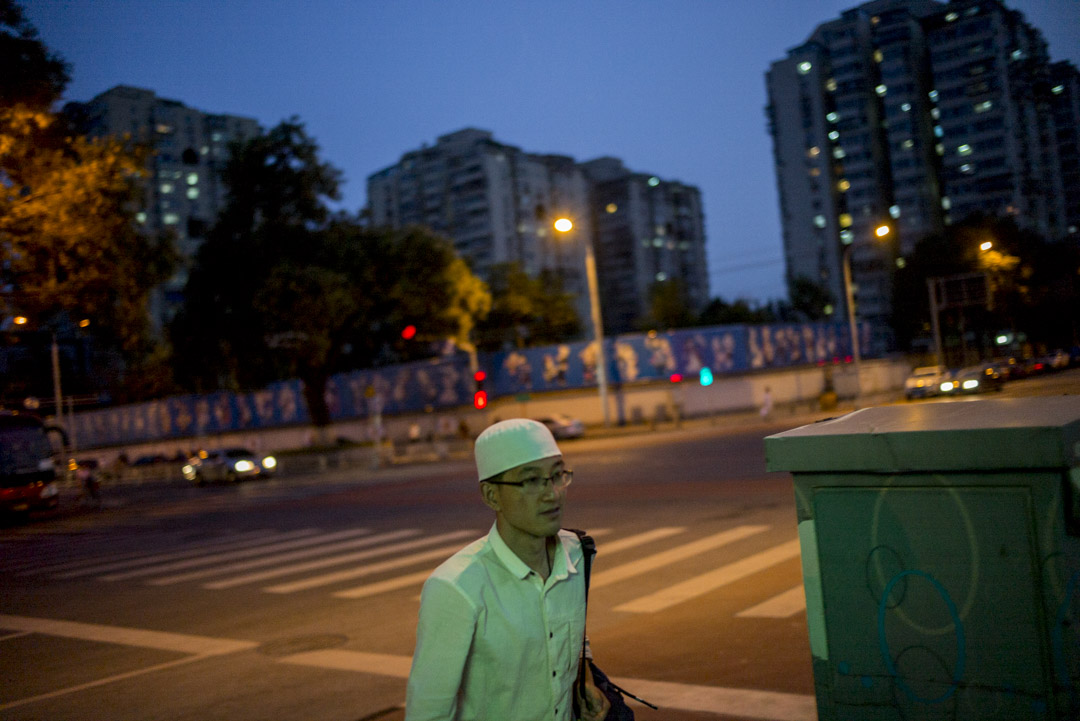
<point>986,246</point>
<point>849,294</point>
<point>564,225</point>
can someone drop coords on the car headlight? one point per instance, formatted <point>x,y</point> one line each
<point>947,386</point>
<point>49,490</point>
<point>244,466</point>
<point>269,462</point>
<point>968,385</point>
<point>188,471</point>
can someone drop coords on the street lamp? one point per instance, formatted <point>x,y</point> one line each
<point>849,295</point>
<point>564,226</point>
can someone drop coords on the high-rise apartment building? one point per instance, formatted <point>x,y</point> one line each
<point>184,192</point>
<point>498,204</point>
<point>915,114</point>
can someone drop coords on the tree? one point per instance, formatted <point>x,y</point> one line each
<point>526,310</point>
<point>317,294</point>
<point>69,244</point>
<point>809,300</point>
<point>32,76</point>
<point>720,312</point>
<point>668,306</point>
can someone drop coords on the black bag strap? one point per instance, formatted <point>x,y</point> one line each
<point>588,550</point>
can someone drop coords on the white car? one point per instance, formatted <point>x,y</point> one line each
<point>924,382</point>
<point>227,464</point>
<point>563,426</point>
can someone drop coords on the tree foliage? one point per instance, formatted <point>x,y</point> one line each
<point>1032,285</point>
<point>668,306</point>
<point>720,312</point>
<point>32,76</point>
<point>527,311</point>
<point>809,301</point>
<point>280,289</point>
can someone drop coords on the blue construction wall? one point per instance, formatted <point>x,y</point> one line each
<point>447,382</point>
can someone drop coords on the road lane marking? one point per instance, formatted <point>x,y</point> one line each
<point>784,605</point>
<point>679,553</point>
<point>379,664</point>
<point>706,582</point>
<point>443,552</point>
<point>739,702</point>
<point>186,553</point>
<point>283,557</point>
<point>19,634</point>
<point>158,640</point>
<point>334,560</point>
<point>236,554</point>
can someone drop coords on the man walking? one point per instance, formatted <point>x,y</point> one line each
<point>502,621</point>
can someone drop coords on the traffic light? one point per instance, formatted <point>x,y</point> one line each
<point>676,378</point>
<point>480,397</point>
<point>705,376</point>
<point>408,332</point>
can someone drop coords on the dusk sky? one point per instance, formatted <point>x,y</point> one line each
<point>674,88</point>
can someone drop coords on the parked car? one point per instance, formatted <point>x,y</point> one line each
<point>562,426</point>
<point>28,465</point>
<point>973,379</point>
<point>925,382</point>
<point>227,465</point>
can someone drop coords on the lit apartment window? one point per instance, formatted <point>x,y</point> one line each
<point>804,67</point>
<point>833,135</point>
<point>661,277</point>
<point>166,187</point>
<point>832,117</point>
<point>204,150</point>
<point>933,94</point>
<point>964,149</point>
<point>985,105</point>
<point>844,185</point>
<point>908,144</point>
<point>946,203</point>
<point>838,153</point>
<point>901,263</point>
<point>658,242</point>
<point>938,132</point>
<point>815,172</point>
<point>192,178</point>
<point>1056,90</point>
<point>845,220</point>
<point>654,181</point>
<point>192,193</point>
<point>140,217</point>
<point>906,107</point>
<point>940,149</point>
<point>894,211</point>
<point>830,85</point>
<point>611,208</point>
<point>846,237</point>
<point>935,113</point>
<point>952,17</point>
<point>967,168</point>
<point>879,56</point>
<point>881,90</point>
<point>819,221</point>
<point>813,152</point>
<point>1017,54</point>
<point>170,219</point>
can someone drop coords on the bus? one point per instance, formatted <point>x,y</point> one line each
<point>27,464</point>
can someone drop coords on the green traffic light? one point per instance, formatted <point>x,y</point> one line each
<point>705,376</point>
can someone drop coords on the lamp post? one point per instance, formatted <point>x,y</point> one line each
<point>849,296</point>
<point>563,226</point>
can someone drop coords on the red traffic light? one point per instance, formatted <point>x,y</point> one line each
<point>479,376</point>
<point>408,332</point>
<point>480,400</point>
<point>676,377</point>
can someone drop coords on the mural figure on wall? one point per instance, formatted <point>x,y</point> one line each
<point>589,356</point>
<point>723,348</point>
<point>202,415</point>
<point>223,411</point>
<point>555,367</point>
<point>518,368</point>
<point>661,357</point>
<point>288,404</point>
<point>694,353</point>
<point>626,360</point>
<point>264,406</point>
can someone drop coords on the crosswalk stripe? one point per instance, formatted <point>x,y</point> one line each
<point>349,574</point>
<point>679,553</point>
<point>36,566</point>
<point>392,584</point>
<point>283,557</point>
<point>640,539</point>
<point>412,579</point>
<point>784,605</point>
<point>381,664</point>
<point>712,580</point>
<point>334,560</point>
<point>234,554</point>
<point>186,553</point>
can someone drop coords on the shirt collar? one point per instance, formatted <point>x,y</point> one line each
<point>561,568</point>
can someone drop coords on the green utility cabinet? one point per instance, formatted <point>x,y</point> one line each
<point>941,558</point>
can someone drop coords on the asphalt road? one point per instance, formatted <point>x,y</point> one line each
<point>296,598</point>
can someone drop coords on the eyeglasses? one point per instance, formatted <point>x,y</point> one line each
<point>535,486</point>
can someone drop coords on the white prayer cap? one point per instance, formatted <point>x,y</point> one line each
<point>508,444</point>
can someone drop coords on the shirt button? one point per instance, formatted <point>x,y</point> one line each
<point>551,634</point>
<point>553,674</point>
